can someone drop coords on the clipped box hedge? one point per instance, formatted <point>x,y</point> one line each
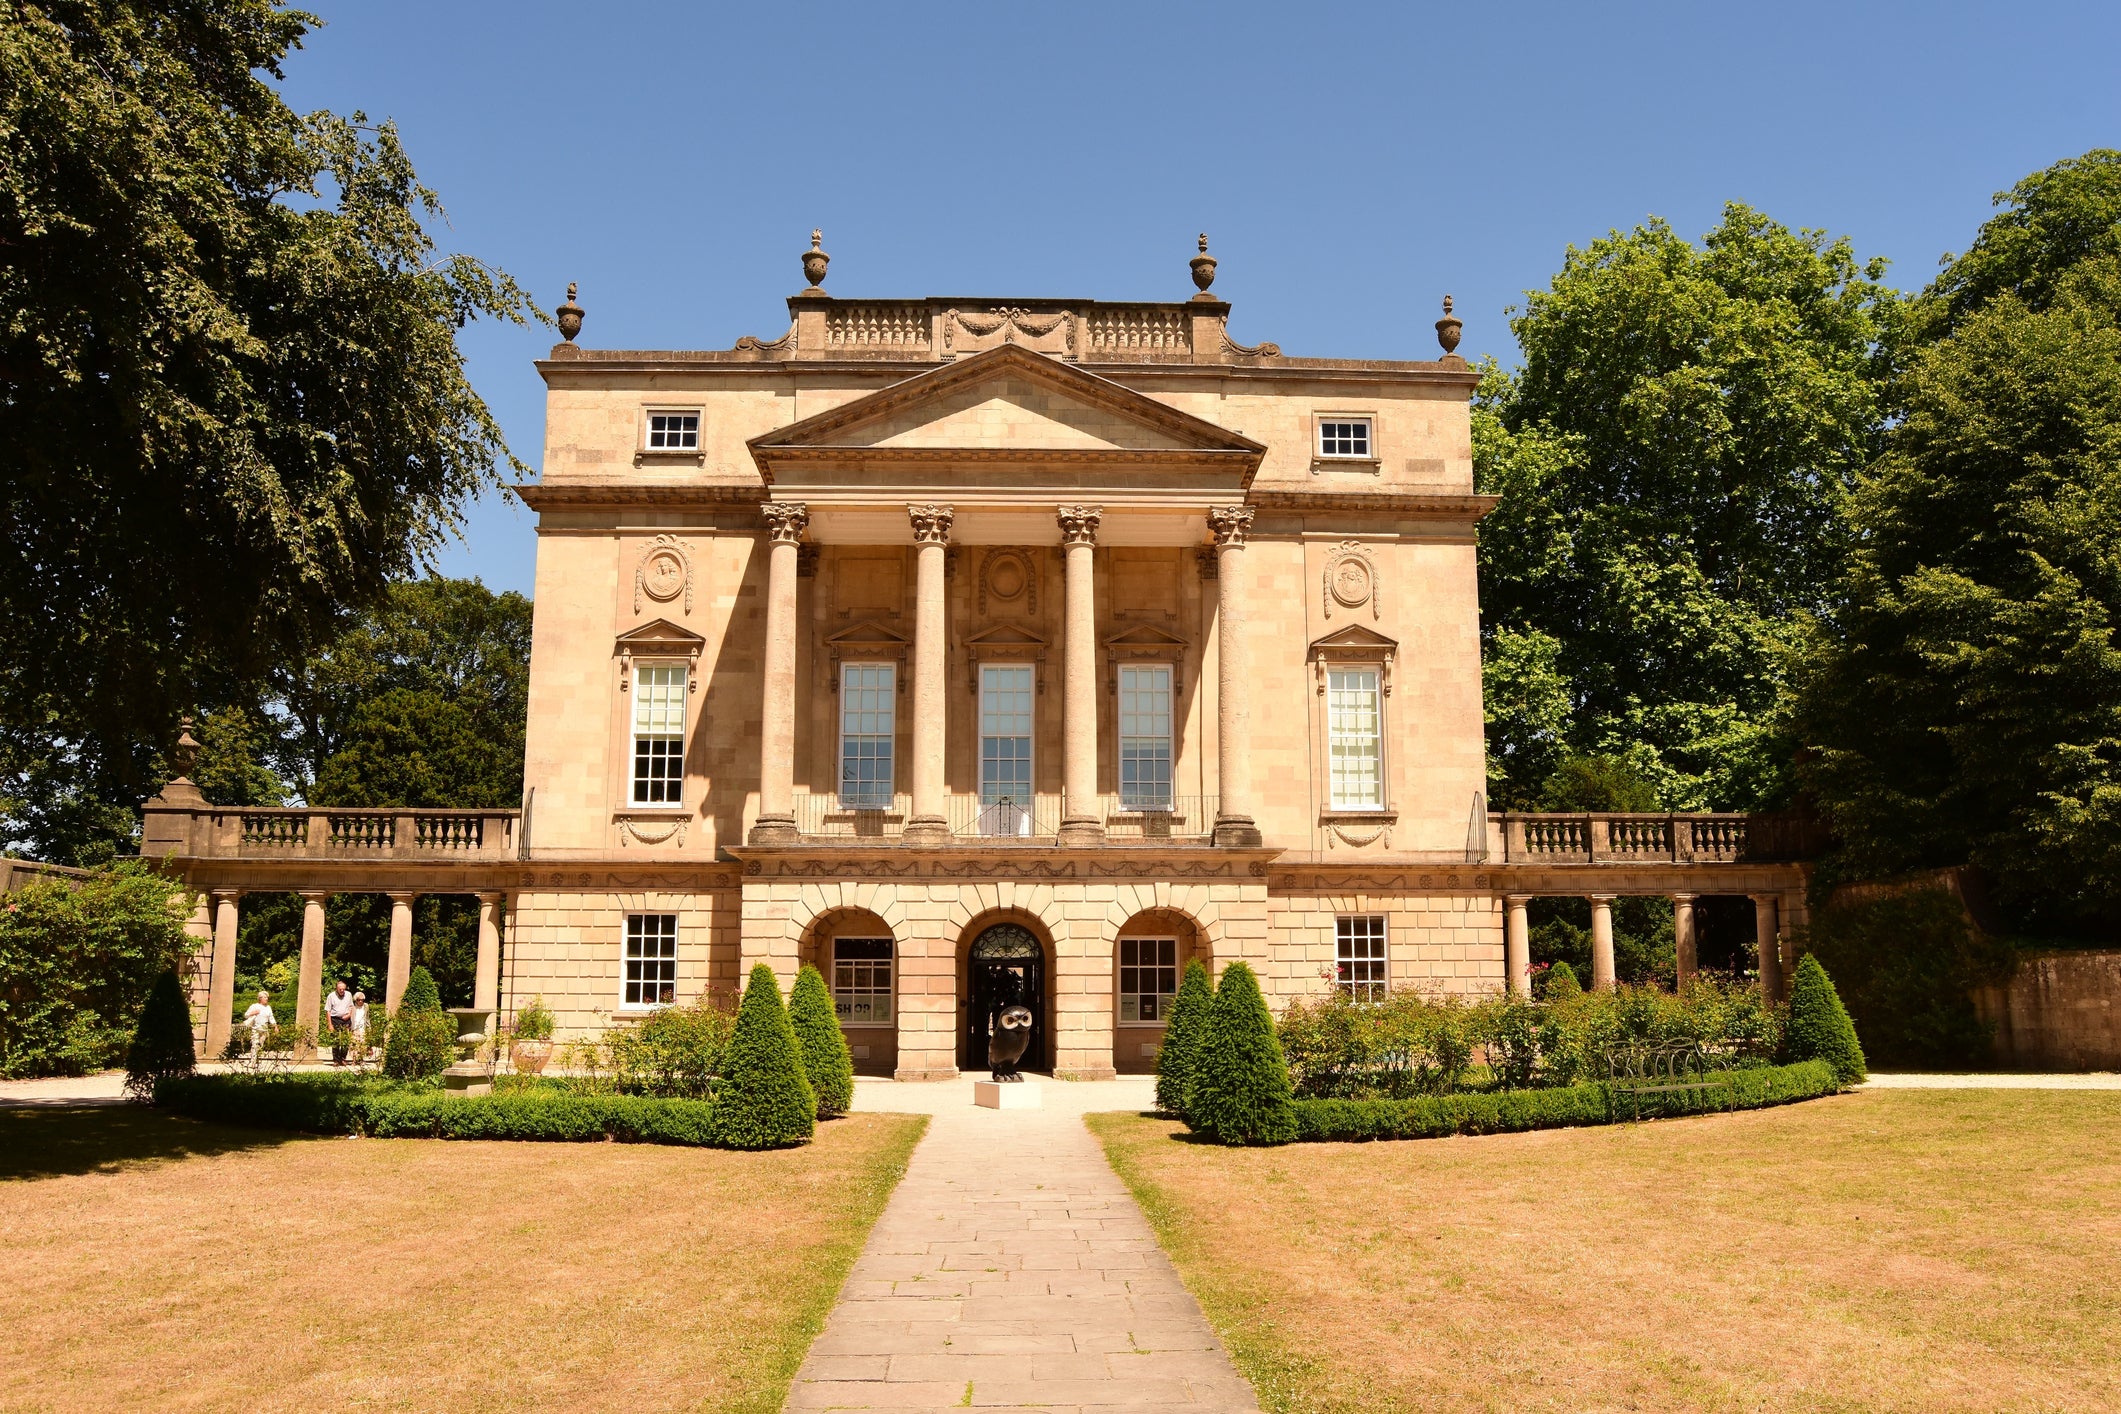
<point>1514,1111</point>
<point>333,1104</point>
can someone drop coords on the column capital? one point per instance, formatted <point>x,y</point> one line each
<point>931,523</point>
<point>1683,898</point>
<point>1231,524</point>
<point>492,898</point>
<point>1078,524</point>
<point>404,896</point>
<point>1601,898</point>
<point>227,895</point>
<point>785,521</point>
<point>316,896</point>
<point>1518,900</point>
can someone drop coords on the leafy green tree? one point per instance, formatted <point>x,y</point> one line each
<point>1670,462</point>
<point>764,1100</point>
<point>1560,981</point>
<point>230,385</point>
<point>1175,1059</point>
<point>1963,705</point>
<point>234,746</point>
<point>162,1042</point>
<point>1908,965</point>
<point>827,1063</point>
<point>77,958</point>
<point>1819,1027</point>
<point>418,750</point>
<point>422,1037</point>
<point>1240,1089</point>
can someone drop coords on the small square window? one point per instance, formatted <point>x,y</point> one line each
<point>673,432</point>
<point>1359,956</point>
<point>1344,437</point>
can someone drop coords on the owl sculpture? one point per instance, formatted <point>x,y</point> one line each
<point>1006,1045</point>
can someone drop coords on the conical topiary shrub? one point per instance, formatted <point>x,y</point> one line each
<point>1182,1033</point>
<point>1561,982</point>
<point>827,1063</point>
<point>162,1044</point>
<point>1819,1027</point>
<point>764,1100</point>
<point>1240,1089</point>
<point>421,1034</point>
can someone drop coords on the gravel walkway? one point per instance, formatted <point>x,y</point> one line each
<point>2089,1080</point>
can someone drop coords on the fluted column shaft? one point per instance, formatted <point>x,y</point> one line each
<point>1602,974</point>
<point>486,976</point>
<point>785,522</point>
<point>398,969</point>
<point>221,1000</point>
<point>1684,946</point>
<point>931,538</point>
<point>1517,944</point>
<point>309,989</point>
<point>1079,819</point>
<point>1233,765</point>
<point>1765,937</point>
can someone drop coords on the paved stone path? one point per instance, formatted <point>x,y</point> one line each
<point>1012,1269</point>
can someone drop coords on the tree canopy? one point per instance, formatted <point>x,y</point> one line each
<point>1964,702</point>
<point>1671,460</point>
<point>232,405</point>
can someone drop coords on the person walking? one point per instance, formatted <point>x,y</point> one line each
<point>338,1011</point>
<point>358,1020</point>
<point>260,1019</point>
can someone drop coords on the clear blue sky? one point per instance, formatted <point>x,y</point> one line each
<point>1350,164</point>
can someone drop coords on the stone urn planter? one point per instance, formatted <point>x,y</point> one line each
<point>530,1057</point>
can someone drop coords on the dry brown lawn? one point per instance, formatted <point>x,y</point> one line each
<point>1899,1250</point>
<point>154,1262</point>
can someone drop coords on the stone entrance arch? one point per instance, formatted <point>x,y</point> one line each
<point>1139,949</point>
<point>857,951</point>
<point>1006,955</point>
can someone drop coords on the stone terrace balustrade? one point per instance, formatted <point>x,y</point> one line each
<point>264,832</point>
<point>1680,838</point>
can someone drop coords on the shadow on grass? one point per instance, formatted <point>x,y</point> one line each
<point>57,1142</point>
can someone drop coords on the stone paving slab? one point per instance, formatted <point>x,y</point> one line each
<point>1013,1270</point>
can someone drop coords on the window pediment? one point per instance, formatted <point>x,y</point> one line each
<point>1144,643</point>
<point>1355,645</point>
<point>658,638</point>
<point>867,641</point>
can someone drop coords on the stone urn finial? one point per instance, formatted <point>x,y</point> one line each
<point>814,262</point>
<point>186,755</point>
<point>1203,268</point>
<point>570,313</point>
<point>1448,329</point>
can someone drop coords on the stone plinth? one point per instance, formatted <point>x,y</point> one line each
<point>1007,1094</point>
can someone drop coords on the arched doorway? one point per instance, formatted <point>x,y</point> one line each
<point>1006,966</point>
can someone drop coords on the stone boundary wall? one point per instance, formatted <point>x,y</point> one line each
<point>2061,1011</point>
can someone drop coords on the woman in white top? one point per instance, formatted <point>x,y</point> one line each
<point>359,1017</point>
<point>261,1020</point>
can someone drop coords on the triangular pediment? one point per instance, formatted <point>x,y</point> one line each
<point>1354,639</point>
<point>1006,399</point>
<point>660,631</point>
<point>868,634</point>
<point>1005,636</point>
<point>1145,636</point>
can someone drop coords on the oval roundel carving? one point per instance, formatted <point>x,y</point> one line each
<point>665,572</point>
<point>1351,579</point>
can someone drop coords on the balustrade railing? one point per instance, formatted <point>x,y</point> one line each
<point>267,832</point>
<point>1600,837</point>
<point>1137,334</point>
<point>862,327</point>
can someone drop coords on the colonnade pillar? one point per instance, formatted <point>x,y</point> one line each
<point>1234,825</point>
<point>221,988</point>
<point>309,999</point>
<point>785,523</point>
<point>1517,944</point>
<point>1765,930</point>
<point>1683,943</point>
<point>397,971</point>
<point>486,976</point>
<point>1602,974</point>
<point>1080,823</point>
<point>929,823</point>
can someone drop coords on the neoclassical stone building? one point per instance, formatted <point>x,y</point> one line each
<point>987,650</point>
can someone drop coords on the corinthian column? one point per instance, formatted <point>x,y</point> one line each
<point>785,523</point>
<point>1079,819</point>
<point>931,536</point>
<point>1233,764</point>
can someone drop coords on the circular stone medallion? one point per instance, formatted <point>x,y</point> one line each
<point>663,576</point>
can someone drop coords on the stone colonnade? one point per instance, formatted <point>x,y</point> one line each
<point>929,823</point>
<point>1767,936</point>
<point>222,904</point>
